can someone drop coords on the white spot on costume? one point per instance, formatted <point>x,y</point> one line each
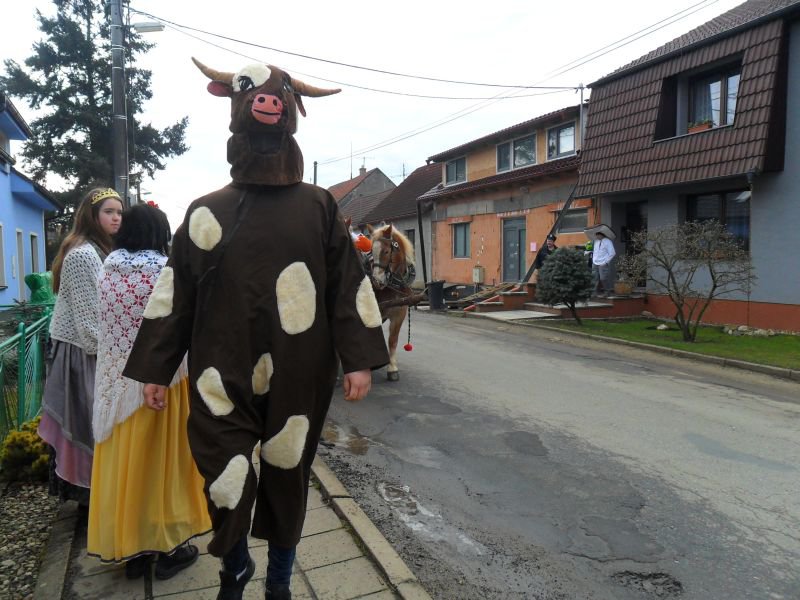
<point>262,373</point>
<point>285,449</point>
<point>258,74</point>
<point>212,391</point>
<point>204,229</point>
<point>226,491</point>
<point>367,305</point>
<point>297,298</point>
<point>160,302</point>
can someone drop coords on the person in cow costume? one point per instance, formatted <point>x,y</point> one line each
<point>265,291</point>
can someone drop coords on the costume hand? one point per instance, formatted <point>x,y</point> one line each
<point>155,396</point>
<point>357,384</point>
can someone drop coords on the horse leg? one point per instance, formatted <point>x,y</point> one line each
<point>396,317</point>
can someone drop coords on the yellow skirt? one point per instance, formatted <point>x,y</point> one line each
<point>146,494</point>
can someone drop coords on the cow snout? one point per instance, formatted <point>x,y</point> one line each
<point>267,109</point>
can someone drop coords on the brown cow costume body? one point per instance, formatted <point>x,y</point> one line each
<point>263,288</point>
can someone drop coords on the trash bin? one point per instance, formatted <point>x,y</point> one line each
<point>436,295</point>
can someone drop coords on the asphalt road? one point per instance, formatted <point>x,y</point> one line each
<point>514,462</point>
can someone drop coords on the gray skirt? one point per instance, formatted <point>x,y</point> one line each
<point>67,412</point>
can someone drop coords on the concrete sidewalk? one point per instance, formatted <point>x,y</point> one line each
<point>341,556</point>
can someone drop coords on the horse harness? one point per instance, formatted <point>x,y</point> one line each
<point>391,279</point>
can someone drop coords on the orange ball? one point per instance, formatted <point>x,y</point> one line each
<point>363,244</point>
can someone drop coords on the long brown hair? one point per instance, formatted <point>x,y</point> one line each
<point>85,228</point>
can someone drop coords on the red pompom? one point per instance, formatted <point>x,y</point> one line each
<point>408,347</point>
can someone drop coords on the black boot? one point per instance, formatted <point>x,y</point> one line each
<point>278,591</point>
<point>168,565</point>
<point>231,587</point>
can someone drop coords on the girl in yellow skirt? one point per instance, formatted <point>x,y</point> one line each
<point>147,495</point>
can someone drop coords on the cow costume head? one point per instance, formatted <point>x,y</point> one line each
<point>264,105</point>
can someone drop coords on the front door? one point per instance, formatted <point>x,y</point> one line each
<point>635,222</point>
<point>513,249</point>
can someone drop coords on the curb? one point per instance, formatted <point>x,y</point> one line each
<point>400,577</point>
<point>791,374</point>
<point>55,561</point>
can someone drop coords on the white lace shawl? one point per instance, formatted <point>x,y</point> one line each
<point>124,288</point>
<point>75,313</point>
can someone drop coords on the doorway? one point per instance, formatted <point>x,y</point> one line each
<point>514,232</point>
<point>635,222</point>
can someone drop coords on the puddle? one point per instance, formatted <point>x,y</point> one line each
<point>348,438</point>
<point>424,456</point>
<point>525,443</point>
<point>425,522</point>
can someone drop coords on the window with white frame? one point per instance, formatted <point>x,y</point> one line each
<point>34,253</point>
<point>516,153</point>
<point>456,171</point>
<point>460,240</point>
<point>712,97</point>
<point>561,141</point>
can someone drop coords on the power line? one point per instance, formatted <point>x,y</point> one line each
<point>559,71</point>
<point>553,89</point>
<point>334,62</point>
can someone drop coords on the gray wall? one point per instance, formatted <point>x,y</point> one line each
<point>376,182</point>
<point>775,206</point>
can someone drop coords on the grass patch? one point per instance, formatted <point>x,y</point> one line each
<point>778,351</point>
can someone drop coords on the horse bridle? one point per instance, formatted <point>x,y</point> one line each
<point>390,279</point>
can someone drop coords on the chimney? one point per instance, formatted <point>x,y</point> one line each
<point>362,170</point>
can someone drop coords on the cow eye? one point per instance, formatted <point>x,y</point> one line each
<point>245,83</point>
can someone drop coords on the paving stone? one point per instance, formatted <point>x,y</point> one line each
<point>321,520</point>
<point>344,581</point>
<point>384,595</point>
<point>326,549</point>
<point>91,565</point>
<point>108,584</point>
<point>315,499</point>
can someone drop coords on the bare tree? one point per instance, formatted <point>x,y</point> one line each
<point>693,263</point>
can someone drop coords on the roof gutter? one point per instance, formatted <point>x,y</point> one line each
<point>777,14</point>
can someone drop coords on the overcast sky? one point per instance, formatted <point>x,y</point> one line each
<point>508,42</point>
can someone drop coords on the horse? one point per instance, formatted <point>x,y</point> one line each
<point>392,272</point>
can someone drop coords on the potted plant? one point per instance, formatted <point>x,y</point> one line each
<point>695,126</point>
<point>630,269</point>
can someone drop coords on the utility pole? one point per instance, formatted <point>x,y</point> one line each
<point>119,127</point>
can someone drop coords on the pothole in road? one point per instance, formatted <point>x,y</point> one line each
<point>426,523</point>
<point>660,585</point>
<point>349,439</point>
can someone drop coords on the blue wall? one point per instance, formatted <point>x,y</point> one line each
<point>24,212</point>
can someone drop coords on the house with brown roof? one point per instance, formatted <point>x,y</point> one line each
<point>499,196</point>
<point>708,127</point>
<point>399,208</point>
<point>366,183</point>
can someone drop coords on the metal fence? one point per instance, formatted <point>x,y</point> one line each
<point>22,373</point>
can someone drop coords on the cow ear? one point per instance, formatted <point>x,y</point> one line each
<point>300,106</point>
<point>223,90</point>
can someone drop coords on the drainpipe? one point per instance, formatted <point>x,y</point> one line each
<point>422,242</point>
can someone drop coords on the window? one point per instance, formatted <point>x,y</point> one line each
<point>517,153</point>
<point>712,97</point>
<point>732,209</point>
<point>456,171</point>
<point>574,220</point>
<point>34,253</point>
<point>561,141</point>
<point>461,240</point>
<point>411,234</point>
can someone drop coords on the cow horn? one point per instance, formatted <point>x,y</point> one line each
<point>311,91</point>
<point>212,74</point>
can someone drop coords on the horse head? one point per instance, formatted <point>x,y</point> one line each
<point>392,258</point>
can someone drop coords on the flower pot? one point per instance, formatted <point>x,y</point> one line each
<point>623,288</point>
<point>700,127</point>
